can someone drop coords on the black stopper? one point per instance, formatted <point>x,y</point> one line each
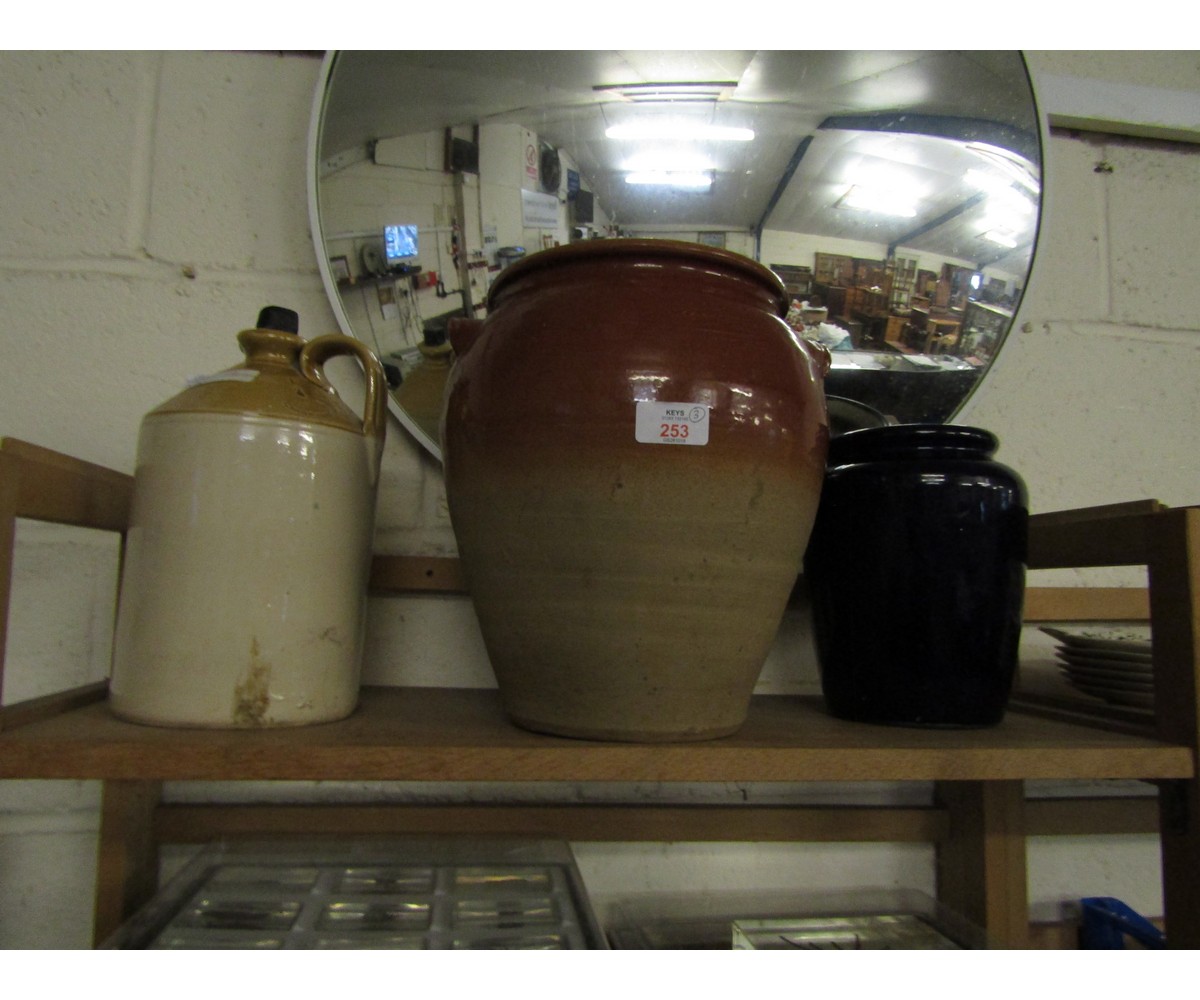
<point>279,318</point>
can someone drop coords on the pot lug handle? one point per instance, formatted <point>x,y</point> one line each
<point>316,352</point>
<point>818,356</point>
<point>463,332</point>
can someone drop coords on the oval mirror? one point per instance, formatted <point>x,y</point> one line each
<point>897,194</point>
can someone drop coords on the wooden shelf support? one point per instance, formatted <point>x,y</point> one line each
<point>981,870</point>
<point>1175,607</point>
<point>127,854</point>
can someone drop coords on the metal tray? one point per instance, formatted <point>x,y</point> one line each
<point>403,894</point>
<point>855,919</point>
<point>880,931</point>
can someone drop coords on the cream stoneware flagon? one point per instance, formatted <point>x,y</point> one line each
<point>634,445</point>
<point>243,596</point>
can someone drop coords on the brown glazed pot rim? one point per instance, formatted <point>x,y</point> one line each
<point>624,247</point>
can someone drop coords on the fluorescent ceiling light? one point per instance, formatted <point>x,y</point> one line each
<point>640,131</point>
<point>986,181</point>
<point>708,92</point>
<point>1004,239</point>
<point>692,180</point>
<point>1003,221</point>
<point>670,160</point>
<point>884,201</point>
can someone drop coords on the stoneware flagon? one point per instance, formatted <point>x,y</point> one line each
<point>634,444</point>
<point>243,596</point>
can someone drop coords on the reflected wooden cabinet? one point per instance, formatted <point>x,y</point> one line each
<point>979,822</point>
<point>894,335</point>
<point>903,282</point>
<point>983,328</point>
<point>797,280</point>
<point>833,269</point>
<point>833,297</point>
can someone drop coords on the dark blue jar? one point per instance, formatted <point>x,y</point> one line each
<point>916,570</point>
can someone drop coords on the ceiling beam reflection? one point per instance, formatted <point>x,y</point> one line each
<point>786,179</point>
<point>933,224</point>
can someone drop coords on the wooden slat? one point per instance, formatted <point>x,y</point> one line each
<point>1112,535</point>
<point>62,490</point>
<point>1081,604</point>
<point>659,823</point>
<point>433,734</point>
<point>44,485</point>
<point>1101,512</point>
<point>35,709</point>
<point>1093,816</point>
<point>188,823</point>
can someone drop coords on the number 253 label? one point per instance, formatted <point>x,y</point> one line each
<point>671,423</point>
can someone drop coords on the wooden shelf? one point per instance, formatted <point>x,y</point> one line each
<point>441,734</point>
<point>978,823</point>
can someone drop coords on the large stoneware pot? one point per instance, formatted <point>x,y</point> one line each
<point>634,444</point>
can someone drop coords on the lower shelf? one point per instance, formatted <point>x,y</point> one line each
<point>441,734</point>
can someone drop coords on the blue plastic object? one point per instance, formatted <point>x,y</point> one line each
<point>1107,921</point>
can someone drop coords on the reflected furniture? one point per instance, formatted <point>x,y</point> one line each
<point>984,326</point>
<point>797,279</point>
<point>895,333</point>
<point>934,331</point>
<point>941,334</point>
<point>868,306</point>
<point>978,822</point>
<point>875,323</point>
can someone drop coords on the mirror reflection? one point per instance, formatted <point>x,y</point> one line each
<point>897,194</point>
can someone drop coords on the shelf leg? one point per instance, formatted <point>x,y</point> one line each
<point>1179,809</point>
<point>1175,613</point>
<point>981,871</point>
<point>127,859</point>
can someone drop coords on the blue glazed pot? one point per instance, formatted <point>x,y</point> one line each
<point>916,569</point>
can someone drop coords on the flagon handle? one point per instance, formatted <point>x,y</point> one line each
<point>316,352</point>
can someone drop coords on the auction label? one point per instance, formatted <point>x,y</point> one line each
<point>671,423</point>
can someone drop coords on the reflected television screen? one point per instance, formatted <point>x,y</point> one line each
<point>399,244</point>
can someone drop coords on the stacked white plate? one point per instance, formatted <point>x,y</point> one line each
<point>1109,662</point>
